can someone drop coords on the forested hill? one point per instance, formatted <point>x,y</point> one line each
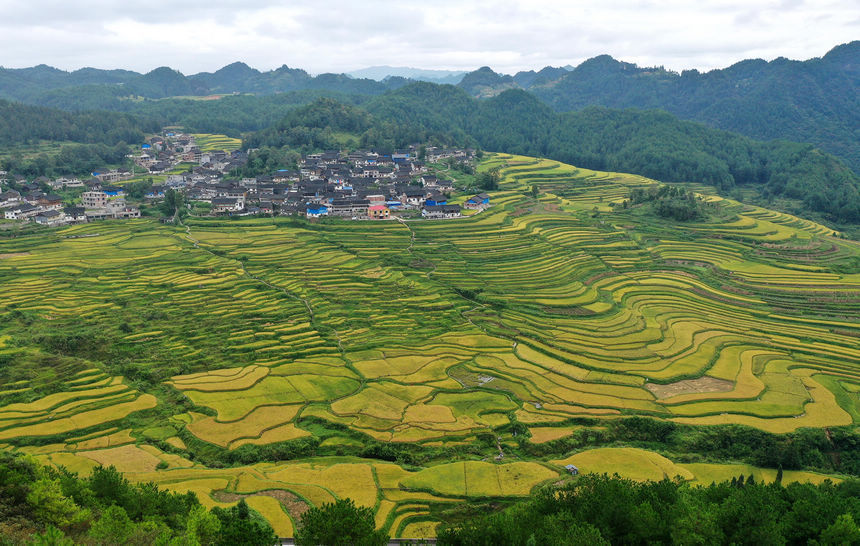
<point>650,143</point>
<point>93,88</point>
<point>24,124</point>
<point>79,142</point>
<point>814,101</point>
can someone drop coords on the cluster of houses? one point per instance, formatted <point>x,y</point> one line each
<point>160,154</point>
<point>358,185</point>
<point>98,203</point>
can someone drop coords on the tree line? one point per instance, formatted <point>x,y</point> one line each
<point>599,509</point>
<point>46,506</point>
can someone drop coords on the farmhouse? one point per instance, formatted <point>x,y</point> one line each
<point>114,209</point>
<point>49,218</point>
<point>112,175</point>
<point>75,215</point>
<point>316,210</point>
<point>155,192</point>
<point>9,198</point>
<point>414,196</point>
<point>113,191</point>
<point>441,211</point>
<point>348,207</point>
<point>94,199</point>
<point>436,198</point>
<point>20,211</point>
<point>50,200</point>
<point>221,205</point>
<point>67,183</point>
<point>378,212</point>
<point>478,202</point>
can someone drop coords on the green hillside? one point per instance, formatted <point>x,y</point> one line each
<point>796,177</point>
<point>393,362</point>
<point>812,101</point>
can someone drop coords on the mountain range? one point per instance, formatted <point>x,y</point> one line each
<point>814,101</point>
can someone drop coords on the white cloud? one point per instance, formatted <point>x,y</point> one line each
<point>339,35</point>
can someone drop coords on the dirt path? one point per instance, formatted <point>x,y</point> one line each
<point>411,233</point>
<point>289,294</point>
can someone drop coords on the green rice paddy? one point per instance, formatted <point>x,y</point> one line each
<point>211,143</point>
<point>149,342</point>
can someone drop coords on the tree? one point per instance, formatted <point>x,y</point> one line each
<point>202,527</point>
<point>340,523</point>
<point>695,523</point>
<point>114,527</point>
<point>52,537</point>
<point>240,526</point>
<point>489,180</point>
<point>535,191</point>
<point>842,531</point>
<point>50,506</point>
<point>138,189</point>
<point>173,201</point>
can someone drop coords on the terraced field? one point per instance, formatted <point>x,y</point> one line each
<point>154,347</point>
<point>211,143</point>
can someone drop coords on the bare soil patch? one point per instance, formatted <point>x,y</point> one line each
<point>293,504</point>
<point>690,386</point>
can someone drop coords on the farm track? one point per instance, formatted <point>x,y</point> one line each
<point>196,244</point>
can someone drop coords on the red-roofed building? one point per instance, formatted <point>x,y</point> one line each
<point>378,212</point>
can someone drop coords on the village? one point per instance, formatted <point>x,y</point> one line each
<point>358,185</point>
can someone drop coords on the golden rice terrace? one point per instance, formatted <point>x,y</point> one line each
<point>160,348</point>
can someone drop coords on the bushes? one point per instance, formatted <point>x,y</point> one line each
<point>339,523</point>
<point>105,508</point>
<point>239,526</point>
<point>670,202</point>
<point>602,509</point>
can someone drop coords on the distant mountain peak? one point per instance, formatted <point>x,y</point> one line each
<point>165,71</point>
<point>381,72</point>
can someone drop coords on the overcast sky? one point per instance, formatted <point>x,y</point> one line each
<point>342,35</point>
